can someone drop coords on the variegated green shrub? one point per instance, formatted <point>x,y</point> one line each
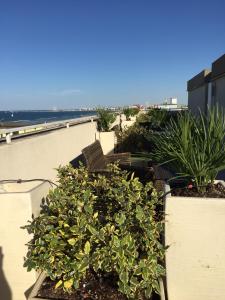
<point>106,223</point>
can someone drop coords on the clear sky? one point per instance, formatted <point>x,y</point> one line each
<point>73,53</point>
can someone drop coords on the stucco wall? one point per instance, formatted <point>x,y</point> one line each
<point>37,156</point>
<point>197,99</point>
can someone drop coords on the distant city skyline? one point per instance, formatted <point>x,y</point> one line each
<point>86,53</point>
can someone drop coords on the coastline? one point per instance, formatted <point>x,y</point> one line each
<point>28,118</point>
<point>13,124</point>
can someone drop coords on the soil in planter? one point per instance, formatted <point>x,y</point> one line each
<point>93,287</point>
<point>210,191</point>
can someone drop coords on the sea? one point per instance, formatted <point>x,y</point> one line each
<point>24,118</point>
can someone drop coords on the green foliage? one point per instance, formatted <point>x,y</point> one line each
<point>194,146</point>
<point>158,118</point>
<point>134,139</point>
<point>105,223</point>
<point>130,112</point>
<point>105,119</point>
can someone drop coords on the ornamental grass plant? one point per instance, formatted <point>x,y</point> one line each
<point>103,223</point>
<point>105,119</point>
<point>130,112</point>
<point>194,146</point>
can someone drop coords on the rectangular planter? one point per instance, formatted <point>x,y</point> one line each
<point>35,289</point>
<point>107,140</point>
<point>17,203</point>
<point>195,259</point>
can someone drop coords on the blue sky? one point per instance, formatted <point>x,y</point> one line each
<point>73,53</point>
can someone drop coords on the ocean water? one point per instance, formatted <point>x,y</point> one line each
<point>19,118</point>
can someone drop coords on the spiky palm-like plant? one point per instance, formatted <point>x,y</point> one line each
<point>194,146</point>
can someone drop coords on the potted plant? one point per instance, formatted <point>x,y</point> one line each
<point>130,112</point>
<point>106,118</point>
<point>194,148</point>
<point>130,115</point>
<point>97,235</point>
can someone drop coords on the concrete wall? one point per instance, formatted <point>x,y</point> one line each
<point>17,203</point>
<point>208,87</point>
<point>37,156</point>
<point>198,92</point>
<point>197,99</point>
<point>195,259</point>
<point>219,91</point>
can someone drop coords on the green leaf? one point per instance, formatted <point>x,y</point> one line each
<point>139,213</point>
<point>84,265</point>
<point>91,229</point>
<point>148,292</point>
<point>134,280</point>
<point>72,241</point>
<point>68,284</point>
<point>51,260</point>
<point>120,219</point>
<point>79,255</point>
<point>123,276</point>
<point>95,215</point>
<point>58,284</point>
<point>87,248</point>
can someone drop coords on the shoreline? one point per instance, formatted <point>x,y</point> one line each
<point>13,124</point>
<point>30,118</point>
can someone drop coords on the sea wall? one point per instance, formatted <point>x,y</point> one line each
<point>38,155</point>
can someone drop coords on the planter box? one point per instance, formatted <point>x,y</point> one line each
<point>41,278</point>
<point>107,140</point>
<point>36,287</point>
<point>195,259</point>
<point>17,203</point>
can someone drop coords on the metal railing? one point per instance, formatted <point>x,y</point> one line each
<point>6,135</point>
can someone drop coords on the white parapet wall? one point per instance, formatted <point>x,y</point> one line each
<point>38,155</point>
<point>17,204</point>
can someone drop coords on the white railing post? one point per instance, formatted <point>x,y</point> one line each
<point>8,138</point>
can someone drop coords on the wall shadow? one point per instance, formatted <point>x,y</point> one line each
<point>5,291</point>
<point>27,292</point>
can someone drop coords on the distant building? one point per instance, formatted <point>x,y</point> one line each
<point>207,88</point>
<point>169,104</point>
<point>172,101</point>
